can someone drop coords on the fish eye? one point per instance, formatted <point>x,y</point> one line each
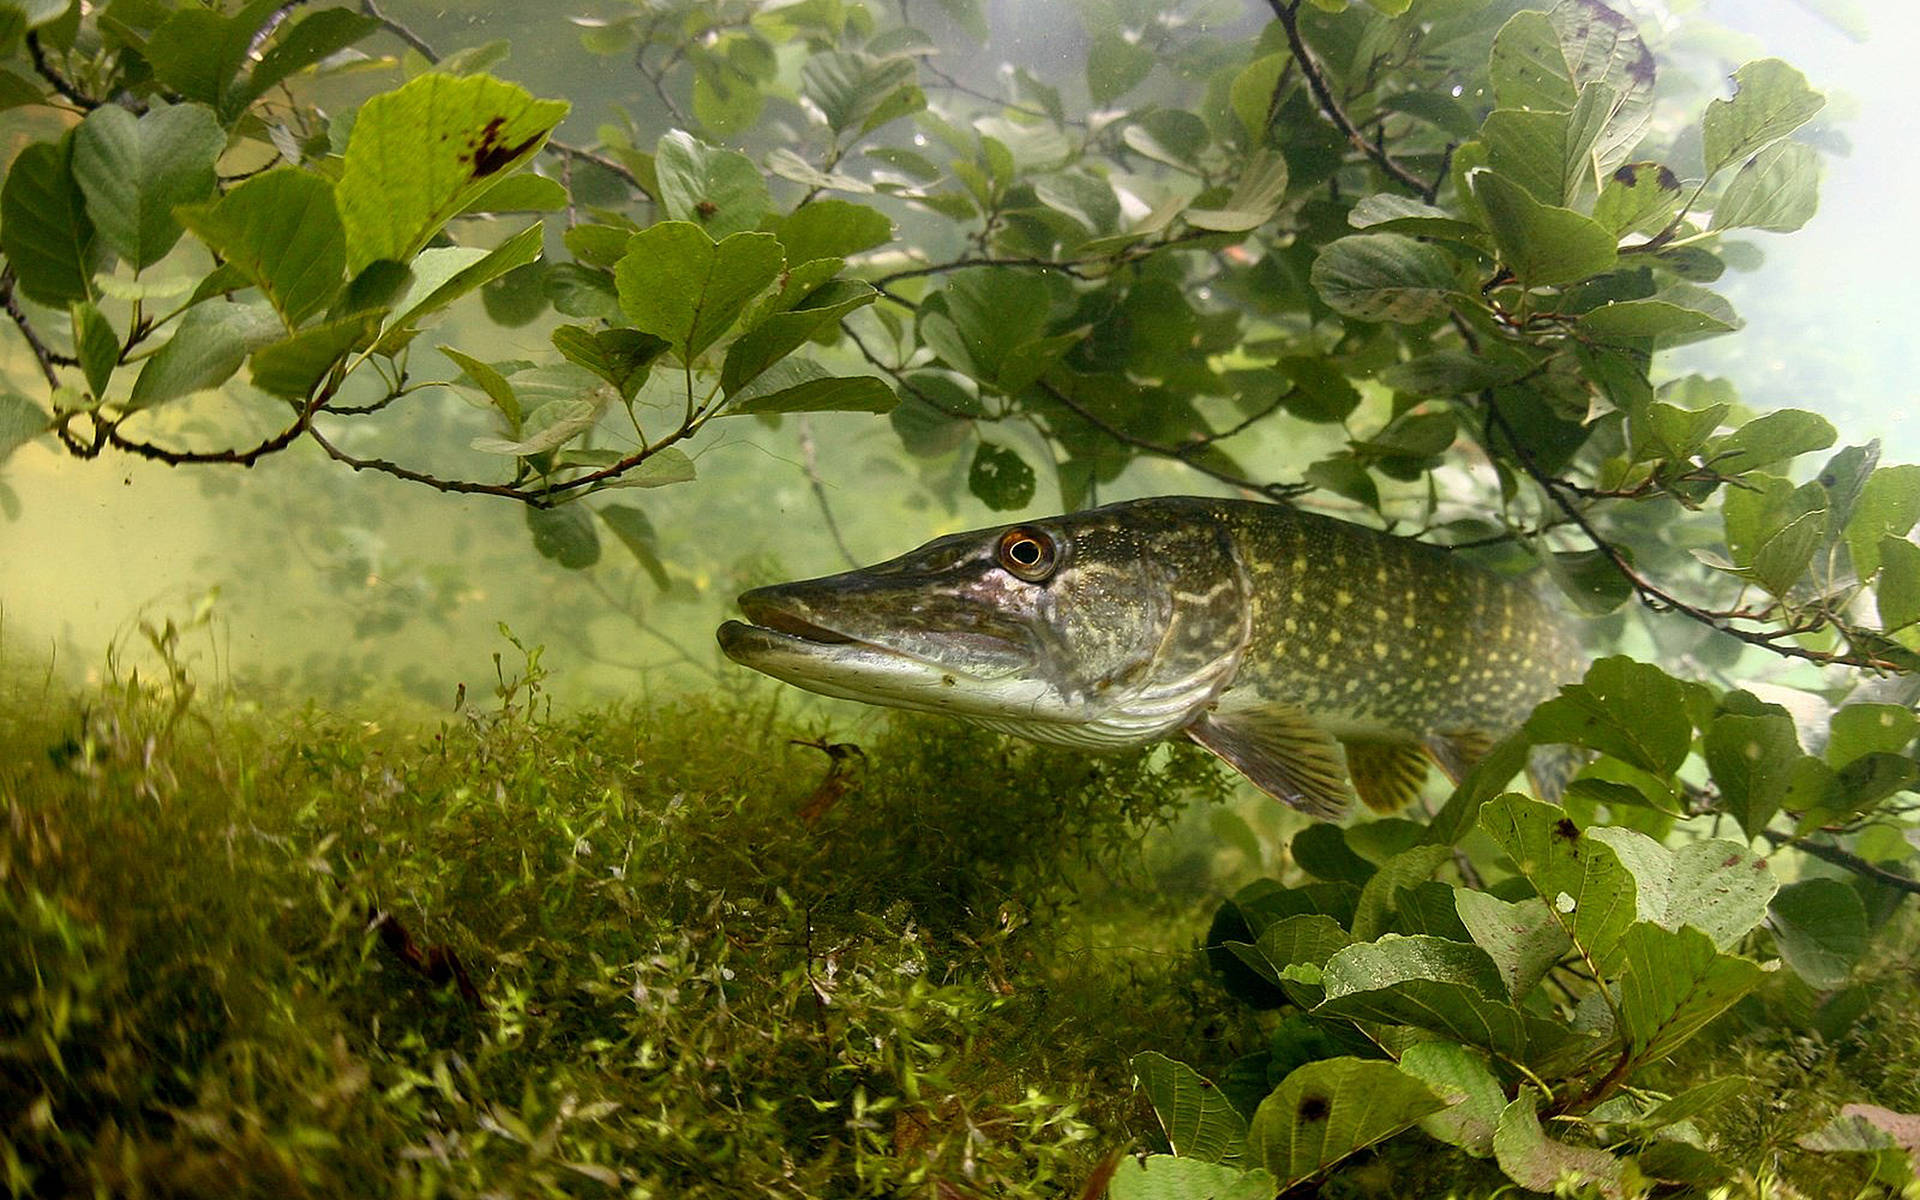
<point>1027,554</point>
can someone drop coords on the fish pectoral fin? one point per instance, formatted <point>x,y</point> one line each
<point>1283,752</point>
<point>1458,750</point>
<point>1388,775</point>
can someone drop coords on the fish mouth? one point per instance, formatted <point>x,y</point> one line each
<point>863,647</point>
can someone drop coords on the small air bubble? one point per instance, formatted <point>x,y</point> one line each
<point>1563,903</point>
<point>919,139</point>
<point>1458,90</point>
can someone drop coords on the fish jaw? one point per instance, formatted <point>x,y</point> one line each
<point>831,636</point>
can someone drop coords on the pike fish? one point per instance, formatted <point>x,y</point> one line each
<point>1318,657</point>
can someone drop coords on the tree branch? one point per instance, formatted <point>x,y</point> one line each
<point>1279,492</point>
<point>1288,14</point>
<point>412,39</point>
<point>41,354</point>
<point>59,82</point>
<point>1651,594</point>
<point>1844,859</point>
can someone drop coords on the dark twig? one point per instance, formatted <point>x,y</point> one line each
<point>386,467</point>
<point>1280,492</point>
<point>41,354</point>
<point>59,82</point>
<point>1071,268</point>
<point>419,44</point>
<point>1651,594</point>
<point>1288,14</point>
<point>809,463</point>
<point>1845,860</point>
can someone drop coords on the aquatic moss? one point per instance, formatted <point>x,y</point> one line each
<point>680,950</point>
<point>526,953</point>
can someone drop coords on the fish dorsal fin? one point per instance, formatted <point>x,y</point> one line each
<point>1458,750</point>
<point>1388,775</point>
<point>1285,754</point>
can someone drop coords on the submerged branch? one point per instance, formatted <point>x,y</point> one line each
<point>1652,594</point>
<point>1288,14</point>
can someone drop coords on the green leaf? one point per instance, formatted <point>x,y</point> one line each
<point>1898,590</point>
<point>1694,1101</point>
<point>1378,903</point>
<point>1773,528</point>
<point>292,367</point>
<point>97,347</point>
<point>1768,439</point>
<point>1255,197</point>
<point>1523,939</point>
<point>213,339</point>
<point>1778,189</point>
<point>981,317</point>
<point>1544,60</point>
<point>1115,65</point>
<point>21,420</point>
<point>1164,1177</point>
<point>489,380</point>
<point>720,191</point>
<point>679,284</point>
<point>1716,886</point>
<point>1672,983</point>
<point>667,465</point>
<point>784,332</point>
<point>1591,579</point>
<point>136,170</point>
<point>848,393</point>
<point>1888,506</point>
<point>1862,729</point>
<point>1474,1097</point>
<point>1250,95</point>
<point>1820,926</point>
<point>1535,1161</point>
<point>1589,893</point>
<point>1640,197</point>
<point>282,232</point>
<point>636,533</point>
<point>622,357</point>
<point>1679,314</point>
<point>44,229</point>
<point>444,274</point>
<point>1385,212</point>
<point>303,43</point>
<point>1327,1110</point>
<point>199,52</point>
<point>860,92</point>
<point>1445,987</point>
<point>575,405</point>
<point>525,192</point>
<point>1194,1113</point>
<point>1384,277</point>
<point>421,154</point>
<point>1770,101</point>
<point>1000,477</point>
<point>1634,711</point>
<point>565,535</point>
<point>1751,759</point>
<point>832,229</point>
<point>1539,243</point>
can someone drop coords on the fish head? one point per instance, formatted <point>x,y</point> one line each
<point>1086,629</point>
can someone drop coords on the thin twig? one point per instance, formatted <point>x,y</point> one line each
<point>809,463</point>
<point>419,44</point>
<point>385,467</point>
<point>1651,594</point>
<point>1280,492</point>
<point>1845,860</point>
<point>59,82</point>
<point>1288,14</point>
<point>41,354</point>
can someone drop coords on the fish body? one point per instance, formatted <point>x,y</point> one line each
<point>1310,653</point>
